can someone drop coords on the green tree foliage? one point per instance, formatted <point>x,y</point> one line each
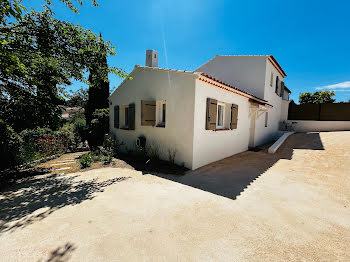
<point>98,127</point>
<point>10,143</point>
<point>14,8</point>
<point>39,56</point>
<point>78,98</point>
<point>319,97</point>
<point>98,87</point>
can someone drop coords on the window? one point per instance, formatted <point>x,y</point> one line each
<point>124,117</point>
<point>277,82</point>
<point>266,118</point>
<point>160,113</point>
<point>271,79</point>
<point>220,117</point>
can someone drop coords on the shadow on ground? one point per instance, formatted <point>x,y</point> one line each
<point>34,199</point>
<point>61,254</point>
<point>231,176</point>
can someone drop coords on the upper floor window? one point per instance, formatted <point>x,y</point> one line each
<point>271,79</point>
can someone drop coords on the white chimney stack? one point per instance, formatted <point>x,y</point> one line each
<point>151,58</point>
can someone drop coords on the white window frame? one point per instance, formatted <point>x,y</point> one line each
<point>159,113</point>
<point>223,115</point>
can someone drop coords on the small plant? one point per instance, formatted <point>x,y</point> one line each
<point>85,160</point>
<point>285,126</point>
<point>171,155</point>
<point>107,160</point>
<point>152,151</point>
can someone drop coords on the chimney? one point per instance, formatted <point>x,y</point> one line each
<point>151,58</point>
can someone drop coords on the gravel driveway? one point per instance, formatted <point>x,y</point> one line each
<point>291,206</point>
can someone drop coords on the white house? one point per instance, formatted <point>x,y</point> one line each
<point>222,108</point>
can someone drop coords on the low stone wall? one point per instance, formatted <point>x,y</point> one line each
<point>315,126</point>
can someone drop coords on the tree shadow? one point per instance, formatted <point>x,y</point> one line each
<point>61,254</point>
<point>33,199</point>
<point>231,176</point>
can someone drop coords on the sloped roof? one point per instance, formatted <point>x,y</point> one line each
<point>198,74</point>
<point>271,58</point>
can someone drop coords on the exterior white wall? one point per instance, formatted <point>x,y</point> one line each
<point>266,134</point>
<point>208,145</point>
<point>284,110</point>
<point>317,126</point>
<point>178,89</point>
<point>244,72</point>
<point>252,74</point>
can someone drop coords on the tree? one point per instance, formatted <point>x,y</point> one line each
<point>319,97</point>
<point>78,98</point>
<point>14,8</point>
<point>98,88</point>
<point>39,56</point>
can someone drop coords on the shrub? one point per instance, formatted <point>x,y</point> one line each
<point>171,155</point>
<point>10,144</point>
<point>285,126</point>
<point>80,129</point>
<point>98,128</point>
<point>85,160</point>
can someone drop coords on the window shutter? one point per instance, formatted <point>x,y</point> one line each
<point>282,88</point>
<point>234,116</point>
<point>148,113</point>
<point>211,114</point>
<point>116,116</point>
<point>132,116</point>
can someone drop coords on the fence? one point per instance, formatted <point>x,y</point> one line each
<point>319,112</point>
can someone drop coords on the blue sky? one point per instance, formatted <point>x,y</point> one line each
<point>310,39</point>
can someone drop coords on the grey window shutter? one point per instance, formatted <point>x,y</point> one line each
<point>132,116</point>
<point>211,114</point>
<point>234,116</point>
<point>148,113</point>
<point>282,88</point>
<point>116,116</point>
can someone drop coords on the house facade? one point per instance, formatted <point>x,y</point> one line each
<point>195,117</point>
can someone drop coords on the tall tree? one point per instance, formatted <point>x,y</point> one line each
<point>98,87</point>
<point>39,55</point>
<point>319,97</point>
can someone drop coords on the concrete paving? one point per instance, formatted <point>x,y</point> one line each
<point>290,206</point>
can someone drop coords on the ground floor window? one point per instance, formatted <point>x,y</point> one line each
<point>124,117</point>
<point>220,115</point>
<point>266,118</point>
<point>160,113</point>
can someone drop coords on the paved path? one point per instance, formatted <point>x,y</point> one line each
<point>292,207</point>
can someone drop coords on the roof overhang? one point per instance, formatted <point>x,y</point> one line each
<point>274,62</point>
<point>252,98</point>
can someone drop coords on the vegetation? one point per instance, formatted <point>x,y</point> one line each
<point>319,97</point>
<point>39,56</point>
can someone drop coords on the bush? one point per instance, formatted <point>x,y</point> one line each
<point>85,160</point>
<point>43,142</point>
<point>98,128</point>
<point>80,129</point>
<point>10,145</point>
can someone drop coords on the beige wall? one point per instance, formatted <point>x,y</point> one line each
<point>316,126</point>
<point>178,89</point>
<point>208,145</point>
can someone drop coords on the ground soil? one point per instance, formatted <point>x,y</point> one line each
<point>290,206</point>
